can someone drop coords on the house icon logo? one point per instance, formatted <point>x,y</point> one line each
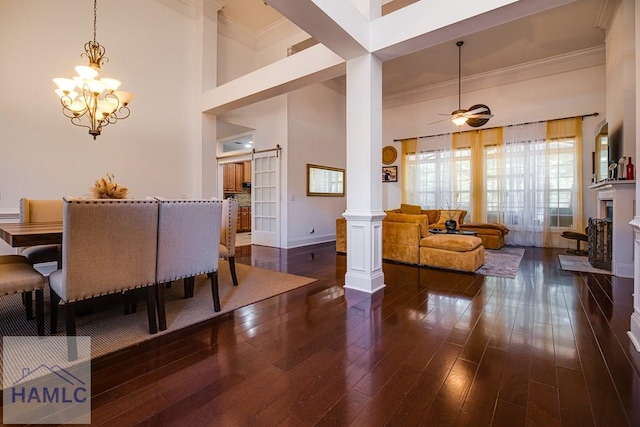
<point>27,389</point>
<point>40,385</point>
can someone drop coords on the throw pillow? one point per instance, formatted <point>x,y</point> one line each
<point>410,209</point>
<point>444,216</point>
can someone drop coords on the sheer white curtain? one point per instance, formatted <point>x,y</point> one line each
<point>429,171</point>
<point>525,184</point>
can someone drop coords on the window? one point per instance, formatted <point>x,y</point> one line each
<point>522,176</point>
<point>461,198</point>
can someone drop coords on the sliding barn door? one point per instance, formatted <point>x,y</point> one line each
<point>265,191</point>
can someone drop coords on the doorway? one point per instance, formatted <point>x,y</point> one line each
<point>265,197</point>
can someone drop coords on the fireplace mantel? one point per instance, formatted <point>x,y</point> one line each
<point>621,194</point>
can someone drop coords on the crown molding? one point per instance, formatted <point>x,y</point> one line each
<point>535,69</point>
<point>234,30</point>
<point>189,7</point>
<point>277,32</point>
<point>606,13</point>
<point>274,33</point>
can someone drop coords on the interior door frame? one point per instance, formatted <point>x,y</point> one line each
<point>265,226</point>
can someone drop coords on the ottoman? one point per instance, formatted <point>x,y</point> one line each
<point>452,251</point>
<point>492,234</point>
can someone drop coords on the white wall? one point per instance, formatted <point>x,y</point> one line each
<point>150,49</point>
<point>241,52</point>
<point>234,59</point>
<point>555,96</point>
<point>317,135</point>
<point>274,44</point>
<point>620,77</point>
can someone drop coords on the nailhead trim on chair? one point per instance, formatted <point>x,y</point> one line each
<point>108,201</point>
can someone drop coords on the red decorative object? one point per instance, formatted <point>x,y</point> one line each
<point>630,169</point>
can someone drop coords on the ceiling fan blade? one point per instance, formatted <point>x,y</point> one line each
<point>480,116</point>
<point>476,111</point>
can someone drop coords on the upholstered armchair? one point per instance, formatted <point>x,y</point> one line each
<point>18,276</point>
<point>228,230</point>
<point>108,246</point>
<point>34,210</point>
<point>188,236</point>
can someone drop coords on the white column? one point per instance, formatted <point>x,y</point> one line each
<point>364,180</point>
<point>634,330</point>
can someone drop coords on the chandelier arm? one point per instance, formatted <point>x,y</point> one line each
<point>114,117</point>
<point>77,121</point>
<point>70,114</point>
<point>125,111</point>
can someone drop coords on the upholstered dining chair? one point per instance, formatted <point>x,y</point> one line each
<point>228,230</point>
<point>188,236</point>
<point>17,275</point>
<point>108,246</point>
<point>36,210</point>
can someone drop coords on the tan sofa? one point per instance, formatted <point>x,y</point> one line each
<point>492,234</point>
<point>402,232</point>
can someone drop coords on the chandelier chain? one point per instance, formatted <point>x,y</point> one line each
<point>95,19</point>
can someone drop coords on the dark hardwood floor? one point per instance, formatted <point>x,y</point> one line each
<point>435,348</point>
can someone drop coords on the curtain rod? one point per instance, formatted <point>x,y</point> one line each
<point>505,126</point>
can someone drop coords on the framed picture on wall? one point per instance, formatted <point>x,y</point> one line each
<point>389,174</point>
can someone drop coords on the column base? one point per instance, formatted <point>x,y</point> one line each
<point>634,333</point>
<point>364,282</point>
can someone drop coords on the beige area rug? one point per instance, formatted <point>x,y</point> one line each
<point>579,263</point>
<point>501,263</point>
<point>111,330</point>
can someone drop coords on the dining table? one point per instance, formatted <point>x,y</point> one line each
<point>18,234</point>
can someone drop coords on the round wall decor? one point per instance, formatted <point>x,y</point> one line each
<point>389,155</point>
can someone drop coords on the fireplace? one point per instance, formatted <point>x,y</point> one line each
<point>600,233</point>
<point>616,207</point>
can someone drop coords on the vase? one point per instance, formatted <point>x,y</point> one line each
<point>450,225</point>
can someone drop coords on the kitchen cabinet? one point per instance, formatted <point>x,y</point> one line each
<point>232,177</point>
<point>247,171</point>
<point>244,219</point>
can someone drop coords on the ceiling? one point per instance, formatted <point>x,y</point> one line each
<point>558,31</point>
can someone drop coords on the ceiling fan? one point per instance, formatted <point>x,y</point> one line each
<point>477,115</point>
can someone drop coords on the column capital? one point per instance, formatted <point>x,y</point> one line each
<point>353,215</point>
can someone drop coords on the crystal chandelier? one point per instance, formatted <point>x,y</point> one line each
<point>90,101</point>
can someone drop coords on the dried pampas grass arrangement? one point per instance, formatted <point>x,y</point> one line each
<point>107,188</point>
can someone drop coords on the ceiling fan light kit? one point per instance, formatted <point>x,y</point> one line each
<point>458,117</point>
